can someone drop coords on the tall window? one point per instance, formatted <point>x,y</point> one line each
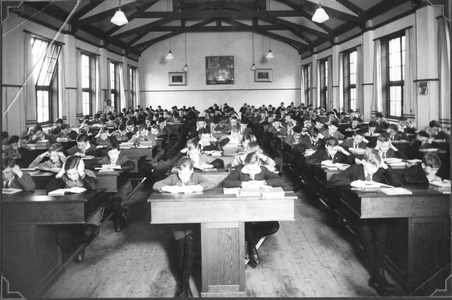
<point>350,65</point>
<point>324,82</point>
<point>307,83</point>
<point>114,83</point>
<point>88,83</point>
<point>133,85</point>
<point>46,78</point>
<point>395,75</point>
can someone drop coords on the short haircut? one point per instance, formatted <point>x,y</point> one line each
<point>57,147</point>
<point>372,156</point>
<point>13,139</point>
<point>335,123</point>
<point>5,135</point>
<point>59,121</point>
<point>297,129</point>
<point>37,128</point>
<point>331,142</point>
<point>393,127</point>
<point>122,127</point>
<point>8,162</point>
<point>56,130</point>
<point>83,137</point>
<point>103,130</point>
<point>434,123</point>
<point>253,144</point>
<point>64,126</point>
<point>184,163</point>
<point>383,138</point>
<point>130,122</point>
<point>431,160</point>
<point>203,131</point>
<point>192,144</point>
<point>252,158</point>
<point>114,144</point>
<point>161,120</point>
<point>373,124</point>
<point>72,162</point>
<point>314,132</point>
<point>201,119</point>
<point>379,115</point>
<point>423,133</point>
<point>359,132</point>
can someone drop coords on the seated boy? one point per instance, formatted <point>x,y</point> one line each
<point>332,153</point>
<point>422,141</point>
<point>357,141</point>
<point>250,148</point>
<point>373,231</point>
<point>387,149</point>
<point>424,172</point>
<point>13,177</point>
<point>332,131</point>
<point>83,147</point>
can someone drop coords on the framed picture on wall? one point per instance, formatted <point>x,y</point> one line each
<point>177,78</point>
<point>263,75</point>
<point>219,70</point>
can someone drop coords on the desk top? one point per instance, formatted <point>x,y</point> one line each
<point>215,194</point>
<point>40,196</point>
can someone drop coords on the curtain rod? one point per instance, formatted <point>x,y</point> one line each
<point>43,37</point>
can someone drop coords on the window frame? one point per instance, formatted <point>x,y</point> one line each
<point>324,79</point>
<point>387,83</point>
<point>52,88</point>
<point>133,71</point>
<point>307,72</point>
<point>92,82</point>
<point>114,91</point>
<point>348,86</point>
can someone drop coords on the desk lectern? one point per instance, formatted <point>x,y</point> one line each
<point>222,219</point>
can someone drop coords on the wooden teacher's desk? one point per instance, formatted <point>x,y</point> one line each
<point>31,259</point>
<point>112,181</point>
<point>222,220</point>
<point>418,239</point>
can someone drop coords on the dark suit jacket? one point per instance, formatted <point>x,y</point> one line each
<point>415,175</point>
<point>306,143</point>
<point>322,154</point>
<point>356,172</point>
<point>25,183</point>
<point>348,143</point>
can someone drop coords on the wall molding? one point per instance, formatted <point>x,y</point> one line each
<point>219,90</point>
<point>12,85</point>
<point>427,79</point>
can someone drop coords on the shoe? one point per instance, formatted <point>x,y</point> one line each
<point>79,257</point>
<point>123,218</point>
<point>381,280</point>
<point>254,256</point>
<point>116,223</point>
<point>89,232</point>
<point>185,293</point>
<point>120,220</point>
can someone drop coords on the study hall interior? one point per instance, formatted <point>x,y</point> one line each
<point>70,61</point>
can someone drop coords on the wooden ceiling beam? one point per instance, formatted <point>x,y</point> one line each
<point>168,17</point>
<point>306,15</point>
<point>143,8</point>
<point>333,13</point>
<point>109,13</point>
<point>144,45</point>
<point>266,17</point>
<point>354,8</point>
<point>221,14</point>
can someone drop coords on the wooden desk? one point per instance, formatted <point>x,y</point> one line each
<point>402,145</point>
<point>68,144</point>
<point>174,128</point>
<point>418,240</point>
<point>112,181</point>
<point>222,220</point>
<point>216,177</point>
<point>32,260</point>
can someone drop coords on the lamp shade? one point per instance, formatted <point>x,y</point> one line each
<point>185,68</point>
<point>170,55</point>
<point>320,15</point>
<point>270,55</point>
<point>253,67</point>
<point>119,18</point>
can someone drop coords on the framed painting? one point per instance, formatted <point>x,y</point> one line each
<point>177,78</point>
<point>263,75</point>
<point>219,70</point>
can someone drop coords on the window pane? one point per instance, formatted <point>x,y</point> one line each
<point>353,58</point>
<point>86,103</point>
<point>395,101</point>
<point>112,76</point>
<point>85,72</point>
<point>42,107</point>
<point>353,98</point>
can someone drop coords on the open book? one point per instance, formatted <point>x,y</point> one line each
<point>108,168</point>
<point>265,192</point>
<point>62,192</point>
<point>9,191</point>
<point>88,157</point>
<point>443,184</point>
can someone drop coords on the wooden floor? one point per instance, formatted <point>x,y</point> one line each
<point>306,258</point>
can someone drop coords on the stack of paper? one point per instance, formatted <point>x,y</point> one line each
<point>249,192</point>
<point>443,184</point>
<point>9,191</point>
<point>271,192</point>
<point>395,191</point>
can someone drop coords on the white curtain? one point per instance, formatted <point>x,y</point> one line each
<point>410,89</point>
<point>316,100</point>
<point>79,104</point>
<point>341,82</point>
<point>302,86</point>
<point>63,108</point>
<point>29,86</point>
<point>137,88</point>
<point>122,94</point>
<point>377,94</point>
<point>444,71</point>
<point>359,80</point>
<point>98,93</point>
<point>329,105</point>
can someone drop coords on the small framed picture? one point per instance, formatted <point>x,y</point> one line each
<point>263,75</point>
<point>177,78</point>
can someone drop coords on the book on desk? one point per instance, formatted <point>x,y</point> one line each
<point>10,191</point>
<point>396,191</point>
<point>265,192</point>
<point>62,192</point>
